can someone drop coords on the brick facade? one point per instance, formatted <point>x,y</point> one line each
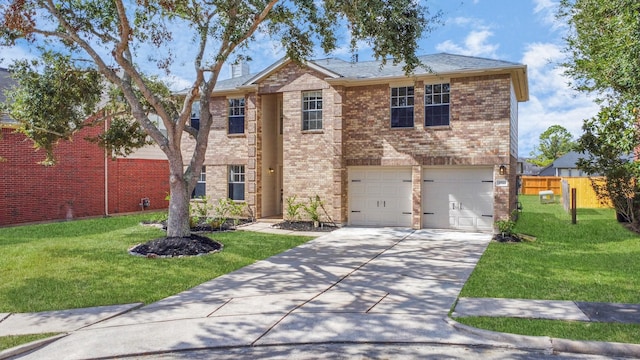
<point>356,131</point>
<point>75,186</point>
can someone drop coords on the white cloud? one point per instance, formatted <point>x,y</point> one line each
<point>548,9</point>
<point>477,41</point>
<point>12,53</point>
<point>552,101</point>
<point>475,44</point>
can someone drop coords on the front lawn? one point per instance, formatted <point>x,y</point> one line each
<point>85,263</point>
<point>596,260</point>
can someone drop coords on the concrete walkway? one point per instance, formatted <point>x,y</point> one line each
<point>353,286</point>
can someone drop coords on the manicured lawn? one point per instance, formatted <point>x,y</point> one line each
<point>85,263</point>
<point>7,342</point>
<point>595,260</point>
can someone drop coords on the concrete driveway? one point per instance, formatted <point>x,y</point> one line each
<point>354,285</point>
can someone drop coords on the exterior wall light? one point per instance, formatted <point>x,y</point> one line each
<point>271,170</point>
<point>502,170</point>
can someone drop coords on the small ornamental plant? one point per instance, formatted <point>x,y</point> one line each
<point>313,209</point>
<point>505,231</point>
<point>293,208</point>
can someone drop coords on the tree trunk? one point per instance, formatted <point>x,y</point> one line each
<point>178,222</point>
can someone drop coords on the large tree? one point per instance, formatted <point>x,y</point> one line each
<point>554,142</point>
<point>117,39</point>
<point>603,48</point>
<point>610,140</point>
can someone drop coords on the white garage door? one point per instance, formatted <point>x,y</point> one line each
<point>457,198</point>
<point>380,196</point>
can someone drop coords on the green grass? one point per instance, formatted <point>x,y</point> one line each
<point>7,342</point>
<point>625,333</point>
<point>85,263</point>
<point>596,259</point>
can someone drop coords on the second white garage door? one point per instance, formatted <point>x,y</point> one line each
<point>380,196</point>
<point>458,198</point>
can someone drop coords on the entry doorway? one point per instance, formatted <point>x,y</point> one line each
<point>272,154</point>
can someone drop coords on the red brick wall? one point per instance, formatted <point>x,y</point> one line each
<point>74,187</point>
<point>130,180</point>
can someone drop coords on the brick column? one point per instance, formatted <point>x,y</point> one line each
<point>254,141</point>
<point>339,169</point>
<point>416,196</point>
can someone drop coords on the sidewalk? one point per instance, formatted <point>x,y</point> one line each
<point>548,309</point>
<point>354,285</point>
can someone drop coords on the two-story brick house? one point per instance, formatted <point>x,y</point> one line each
<point>436,149</point>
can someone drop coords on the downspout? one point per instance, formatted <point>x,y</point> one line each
<point>106,172</point>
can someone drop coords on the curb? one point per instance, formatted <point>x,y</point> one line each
<point>543,343</point>
<point>596,348</point>
<point>25,348</point>
<point>553,345</point>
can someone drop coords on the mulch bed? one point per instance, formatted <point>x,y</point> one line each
<point>196,245</point>
<point>193,245</point>
<point>305,226</point>
<point>506,238</point>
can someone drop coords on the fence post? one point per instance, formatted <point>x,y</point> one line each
<point>574,211</point>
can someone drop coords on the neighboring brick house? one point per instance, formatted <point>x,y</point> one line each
<point>83,183</point>
<point>437,149</point>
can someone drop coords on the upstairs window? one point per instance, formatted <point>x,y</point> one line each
<point>195,115</point>
<point>436,104</point>
<point>402,107</point>
<point>201,186</point>
<point>236,182</point>
<point>236,116</point>
<point>312,110</point>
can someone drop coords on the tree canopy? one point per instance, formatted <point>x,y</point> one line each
<point>120,39</point>
<point>603,48</point>
<point>554,142</point>
<point>603,45</point>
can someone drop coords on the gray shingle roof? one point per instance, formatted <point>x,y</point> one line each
<point>441,63</point>
<point>435,63</point>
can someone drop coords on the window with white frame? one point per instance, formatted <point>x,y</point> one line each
<point>312,110</point>
<point>201,186</point>
<point>402,106</point>
<point>236,182</point>
<point>436,104</point>
<point>236,116</point>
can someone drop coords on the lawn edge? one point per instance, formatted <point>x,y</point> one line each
<point>30,346</point>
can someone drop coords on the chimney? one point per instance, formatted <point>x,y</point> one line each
<point>239,69</point>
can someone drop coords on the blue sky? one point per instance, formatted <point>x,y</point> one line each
<point>522,31</point>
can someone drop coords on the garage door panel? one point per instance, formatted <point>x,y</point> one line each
<point>458,198</point>
<point>380,196</point>
<point>466,221</point>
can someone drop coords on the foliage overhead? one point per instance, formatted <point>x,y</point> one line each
<point>554,142</point>
<point>603,45</point>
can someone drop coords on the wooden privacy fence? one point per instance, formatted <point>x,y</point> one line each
<point>532,185</point>
<point>586,196</point>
